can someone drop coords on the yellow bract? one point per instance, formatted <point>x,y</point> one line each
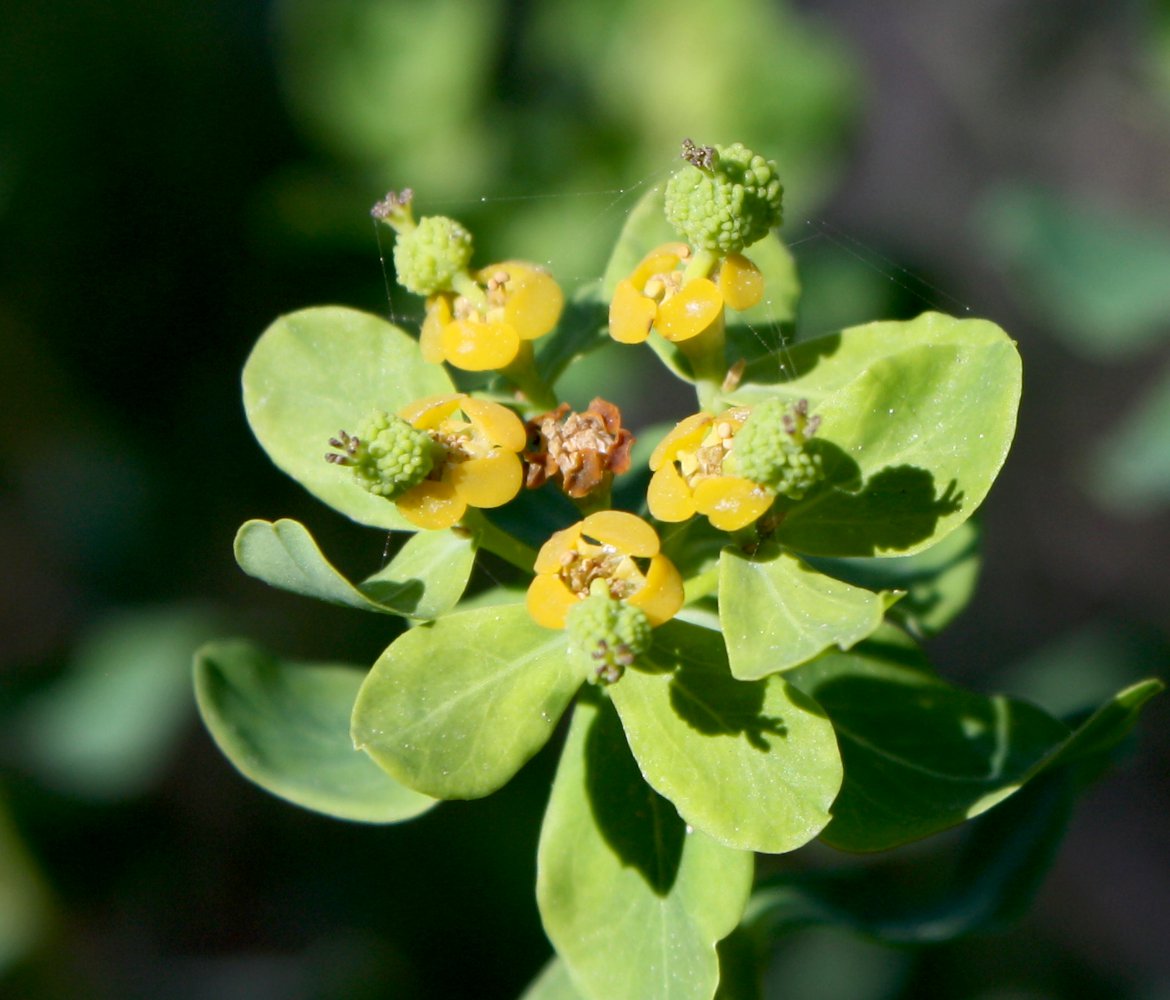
<point>688,475</point>
<point>521,302</point>
<point>481,464</point>
<point>604,546</point>
<point>657,296</point>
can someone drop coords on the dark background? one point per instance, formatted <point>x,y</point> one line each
<point>174,174</point>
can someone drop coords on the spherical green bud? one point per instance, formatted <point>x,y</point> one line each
<point>391,455</point>
<point>428,256</point>
<point>725,201</point>
<point>771,448</point>
<point>607,635</point>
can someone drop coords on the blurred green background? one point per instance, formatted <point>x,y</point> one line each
<point>174,174</point>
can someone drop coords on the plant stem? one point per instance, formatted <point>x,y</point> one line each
<point>498,542</point>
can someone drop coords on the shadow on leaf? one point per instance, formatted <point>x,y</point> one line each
<point>894,510</point>
<point>402,595</point>
<point>642,827</point>
<point>705,695</point>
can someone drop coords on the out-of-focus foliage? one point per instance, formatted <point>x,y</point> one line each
<point>576,98</point>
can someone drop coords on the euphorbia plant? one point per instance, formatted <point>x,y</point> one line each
<point>732,631</point>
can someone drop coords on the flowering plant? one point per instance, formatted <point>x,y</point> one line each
<point>736,630</point>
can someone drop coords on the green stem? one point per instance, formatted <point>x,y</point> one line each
<point>497,541</point>
<point>700,265</point>
<point>701,585</point>
<point>469,288</point>
<point>522,373</point>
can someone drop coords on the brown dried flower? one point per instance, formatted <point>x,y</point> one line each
<point>583,449</point>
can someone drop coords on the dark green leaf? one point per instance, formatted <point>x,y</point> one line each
<point>752,763</point>
<point>286,727</point>
<point>991,879</point>
<point>456,707</point>
<point>633,900</point>
<point>921,755</point>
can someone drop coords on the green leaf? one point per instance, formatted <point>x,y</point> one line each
<point>285,726</point>
<point>937,582</point>
<point>581,330</point>
<point>1129,470</point>
<point>633,901</point>
<point>752,763</point>
<point>553,983</point>
<point>109,726</point>
<point>1097,277</point>
<point>456,707</point>
<point>999,866</point>
<point>921,755</point>
<point>777,611</point>
<point>916,421</point>
<point>318,371</point>
<point>424,580</point>
<point>755,335</point>
<point>27,915</point>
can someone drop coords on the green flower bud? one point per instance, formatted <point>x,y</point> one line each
<point>428,256</point>
<point>726,199</point>
<point>770,448</point>
<point>607,635</point>
<point>388,455</point>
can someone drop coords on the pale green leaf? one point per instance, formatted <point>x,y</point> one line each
<point>318,371</point>
<point>424,580</point>
<point>752,763</point>
<point>286,727</point>
<point>916,421</point>
<point>777,611</point>
<point>553,983</point>
<point>456,707</point>
<point>633,899</point>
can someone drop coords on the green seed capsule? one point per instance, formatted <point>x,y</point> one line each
<point>725,199</point>
<point>391,455</point>
<point>428,256</point>
<point>607,636</point>
<point>771,449</point>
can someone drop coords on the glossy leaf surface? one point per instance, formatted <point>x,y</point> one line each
<point>921,755</point>
<point>752,763</point>
<point>425,578</point>
<point>777,611</point>
<point>318,371</point>
<point>286,727</point>
<point>633,901</point>
<point>454,708</point>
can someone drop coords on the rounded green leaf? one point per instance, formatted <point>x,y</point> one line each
<point>920,755</point>
<point>777,611</point>
<point>318,371</point>
<point>916,421</point>
<point>425,579</point>
<point>752,763</point>
<point>286,727</point>
<point>633,899</point>
<point>456,707</point>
